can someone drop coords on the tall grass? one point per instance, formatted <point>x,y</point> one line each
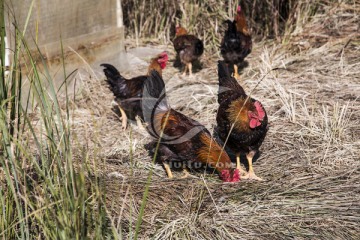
<point>42,194</point>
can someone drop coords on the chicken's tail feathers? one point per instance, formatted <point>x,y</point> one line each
<point>113,77</point>
<point>111,72</point>
<point>231,27</point>
<point>223,71</point>
<point>199,48</point>
<point>154,99</point>
<point>227,82</point>
<point>155,89</point>
<point>228,22</point>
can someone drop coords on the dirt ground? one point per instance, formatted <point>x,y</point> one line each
<point>310,159</point>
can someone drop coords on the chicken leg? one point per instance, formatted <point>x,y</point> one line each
<point>236,73</point>
<point>238,166</point>
<point>168,170</point>
<point>186,67</point>
<point>123,117</point>
<point>251,174</point>
<point>190,69</point>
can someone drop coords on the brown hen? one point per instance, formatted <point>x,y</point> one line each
<point>188,47</point>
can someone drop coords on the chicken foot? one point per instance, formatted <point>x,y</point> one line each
<point>238,166</point>
<point>139,123</point>
<point>186,173</point>
<point>251,174</point>
<point>188,66</point>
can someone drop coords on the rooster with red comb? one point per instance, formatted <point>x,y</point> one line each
<point>128,91</point>
<point>241,120</point>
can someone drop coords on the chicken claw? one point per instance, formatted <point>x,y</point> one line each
<point>139,123</point>
<point>251,174</point>
<point>238,166</point>
<point>186,174</point>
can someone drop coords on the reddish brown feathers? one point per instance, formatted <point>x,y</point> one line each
<point>213,154</point>
<point>241,25</point>
<point>180,31</point>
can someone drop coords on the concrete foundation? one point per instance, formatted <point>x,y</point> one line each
<point>77,33</point>
<point>78,24</point>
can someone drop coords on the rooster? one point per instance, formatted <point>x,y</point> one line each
<point>188,47</point>
<point>241,120</point>
<point>128,92</point>
<point>237,43</point>
<point>181,139</point>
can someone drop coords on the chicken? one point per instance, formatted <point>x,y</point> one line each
<point>237,43</point>
<point>182,139</point>
<point>241,120</point>
<point>188,47</point>
<point>128,91</point>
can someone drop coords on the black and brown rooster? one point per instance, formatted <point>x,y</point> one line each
<point>241,120</point>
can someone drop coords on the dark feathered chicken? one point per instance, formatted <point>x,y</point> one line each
<point>128,92</point>
<point>237,43</point>
<point>182,139</point>
<point>241,121</point>
<point>188,47</point>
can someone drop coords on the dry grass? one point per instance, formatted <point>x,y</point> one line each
<point>310,157</point>
<point>205,18</point>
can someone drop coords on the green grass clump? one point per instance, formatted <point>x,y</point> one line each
<point>43,193</point>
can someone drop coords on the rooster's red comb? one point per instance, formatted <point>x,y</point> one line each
<point>260,110</point>
<point>226,175</point>
<point>238,9</point>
